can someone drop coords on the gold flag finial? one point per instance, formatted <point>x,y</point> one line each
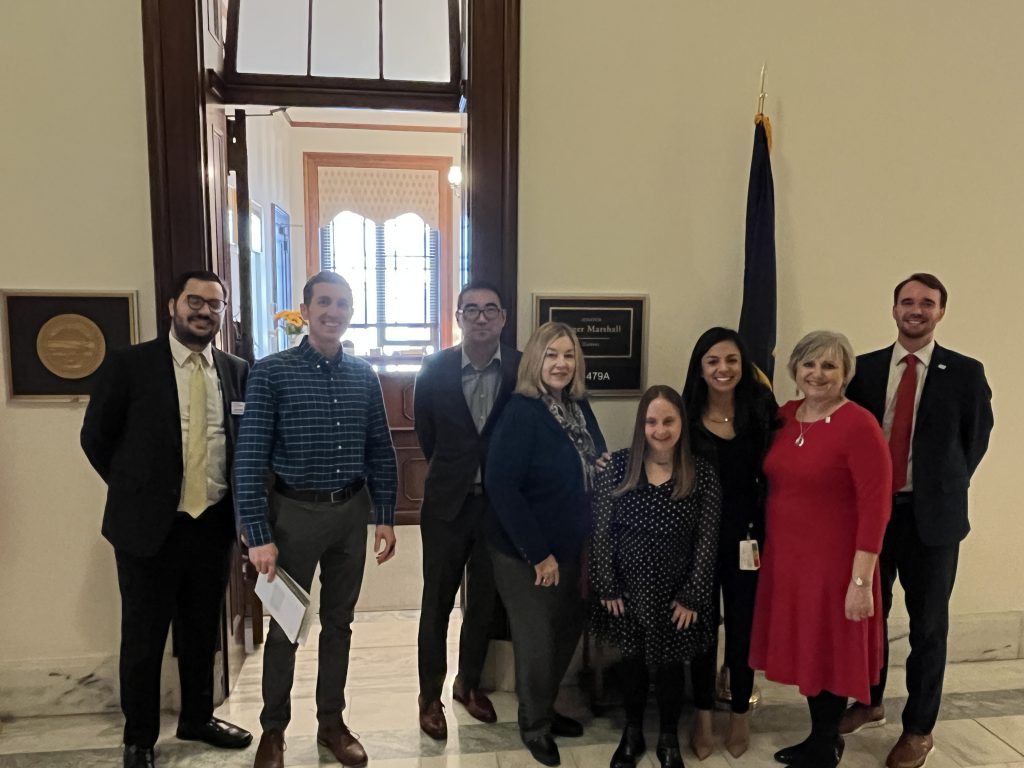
<point>762,94</point>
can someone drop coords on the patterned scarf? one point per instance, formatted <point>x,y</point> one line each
<point>570,418</point>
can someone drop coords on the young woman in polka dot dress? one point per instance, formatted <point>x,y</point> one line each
<point>655,547</point>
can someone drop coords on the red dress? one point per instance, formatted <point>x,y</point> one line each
<point>826,500</point>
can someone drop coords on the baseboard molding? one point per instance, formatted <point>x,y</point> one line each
<point>82,685</point>
<point>89,684</point>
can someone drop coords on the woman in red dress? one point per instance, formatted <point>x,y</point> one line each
<point>829,495</point>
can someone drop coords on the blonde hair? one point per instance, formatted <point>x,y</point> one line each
<point>529,382</point>
<point>816,344</point>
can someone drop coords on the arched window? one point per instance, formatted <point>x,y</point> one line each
<point>394,270</point>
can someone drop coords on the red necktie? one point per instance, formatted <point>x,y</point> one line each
<point>903,423</point>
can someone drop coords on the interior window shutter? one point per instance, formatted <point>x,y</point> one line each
<point>326,252</point>
<point>433,288</point>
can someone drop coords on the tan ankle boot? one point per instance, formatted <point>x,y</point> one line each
<point>738,740</point>
<point>702,739</point>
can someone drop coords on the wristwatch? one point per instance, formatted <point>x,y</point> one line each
<point>858,581</point>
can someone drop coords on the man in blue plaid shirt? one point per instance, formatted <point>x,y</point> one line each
<point>314,417</point>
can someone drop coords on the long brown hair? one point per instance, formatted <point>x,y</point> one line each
<point>682,460</point>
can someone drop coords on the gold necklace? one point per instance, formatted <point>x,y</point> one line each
<point>723,420</point>
<point>799,442</point>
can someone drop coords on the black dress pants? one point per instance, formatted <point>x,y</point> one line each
<point>739,589</point>
<point>451,547</point>
<point>927,574</point>
<point>184,583</point>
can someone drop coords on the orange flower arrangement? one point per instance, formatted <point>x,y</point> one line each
<point>291,321</point>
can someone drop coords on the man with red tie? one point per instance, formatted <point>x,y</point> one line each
<point>935,408</point>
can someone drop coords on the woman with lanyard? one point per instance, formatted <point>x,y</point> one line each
<point>731,413</point>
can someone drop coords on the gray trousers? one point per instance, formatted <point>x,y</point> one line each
<point>546,624</point>
<point>333,535</point>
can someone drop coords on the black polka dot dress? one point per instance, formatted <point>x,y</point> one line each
<point>651,550</point>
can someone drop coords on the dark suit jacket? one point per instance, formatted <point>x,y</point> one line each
<point>954,419</point>
<point>535,484</point>
<point>132,437</point>
<point>447,434</point>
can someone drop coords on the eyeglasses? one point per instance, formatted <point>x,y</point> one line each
<point>196,302</point>
<point>471,311</point>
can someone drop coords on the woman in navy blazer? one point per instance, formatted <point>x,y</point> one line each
<point>540,473</point>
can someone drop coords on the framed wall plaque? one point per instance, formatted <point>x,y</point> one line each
<point>613,333</point>
<point>55,342</point>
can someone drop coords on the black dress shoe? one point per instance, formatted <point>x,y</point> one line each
<point>544,750</point>
<point>138,757</point>
<point>668,752</point>
<point>216,733</point>
<point>565,726</point>
<point>794,754</point>
<point>631,747</point>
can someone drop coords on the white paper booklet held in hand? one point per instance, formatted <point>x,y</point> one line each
<point>287,603</point>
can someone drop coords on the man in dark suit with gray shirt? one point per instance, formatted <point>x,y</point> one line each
<point>935,408</point>
<point>460,393</point>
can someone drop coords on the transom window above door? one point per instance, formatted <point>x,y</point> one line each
<point>388,41</point>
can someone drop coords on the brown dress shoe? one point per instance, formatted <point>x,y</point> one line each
<point>860,716</point>
<point>270,753</point>
<point>343,745</point>
<point>432,720</point>
<point>910,751</point>
<point>476,703</point>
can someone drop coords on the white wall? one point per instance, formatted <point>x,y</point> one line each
<point>74,207</point>
<point>897,149</point>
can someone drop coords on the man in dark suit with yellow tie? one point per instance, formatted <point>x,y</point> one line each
<point>159,430</point>
<point>460,392</point>
<point>935,408</point>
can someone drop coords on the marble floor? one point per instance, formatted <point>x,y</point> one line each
<point>981,724</point>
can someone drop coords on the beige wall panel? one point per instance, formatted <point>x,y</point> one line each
<point>74,209</point>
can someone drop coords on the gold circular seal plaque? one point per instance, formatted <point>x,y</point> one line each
<point>70,346</point>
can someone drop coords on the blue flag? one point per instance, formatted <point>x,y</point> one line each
<point>757,317</point>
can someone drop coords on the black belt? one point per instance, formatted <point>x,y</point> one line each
<point>339,496</point>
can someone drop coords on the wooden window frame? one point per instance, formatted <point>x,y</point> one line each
<point>376,93</point>
<point>312,162</point>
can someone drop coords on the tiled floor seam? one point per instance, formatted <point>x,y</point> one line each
<point>1008,744</point>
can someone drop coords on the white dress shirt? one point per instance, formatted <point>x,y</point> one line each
<point>896,368</point>
<point>216,441</point>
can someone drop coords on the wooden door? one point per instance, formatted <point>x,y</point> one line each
<point>412,465</point>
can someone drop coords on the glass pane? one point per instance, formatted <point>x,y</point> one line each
<point>256,231</point>
<point>346,39</point>
<point>355,263</point>
<point>272,36</point>
<point>416,40</point>
<point>407,274</point>
<point>364,339</point>
<point>405,333</point>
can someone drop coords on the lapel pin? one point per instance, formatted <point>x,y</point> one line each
<point>942,366</point>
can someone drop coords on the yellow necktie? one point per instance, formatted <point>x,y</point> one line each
<point>195,458</point>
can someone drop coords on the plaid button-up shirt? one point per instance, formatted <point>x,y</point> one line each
<point>319,425</point>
